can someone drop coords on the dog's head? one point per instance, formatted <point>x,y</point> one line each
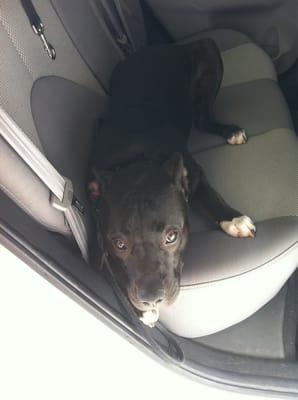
<point>143,218</point>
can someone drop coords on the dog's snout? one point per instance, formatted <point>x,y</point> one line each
<point>150,294</point>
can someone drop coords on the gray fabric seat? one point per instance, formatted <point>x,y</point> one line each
<point>56,103</point>
<point>226,280</point>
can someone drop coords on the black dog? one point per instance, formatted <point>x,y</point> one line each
<point>146,179</point>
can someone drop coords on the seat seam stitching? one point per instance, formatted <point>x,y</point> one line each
<point>250,81</point>
<point>220,145</point>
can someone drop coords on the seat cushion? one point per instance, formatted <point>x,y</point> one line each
<point>225,38</point>
<point>258,178</point>
<point>237,105</point>
<point>243,60</point>
<point>250,96</point>
<point>225,280</point>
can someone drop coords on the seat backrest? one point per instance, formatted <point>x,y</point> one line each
<point>89,26</point>
<point>55,102</point>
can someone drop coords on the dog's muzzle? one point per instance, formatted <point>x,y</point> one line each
<point>149,296</point>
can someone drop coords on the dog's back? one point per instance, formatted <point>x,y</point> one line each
<point>155,78</point>
<point>150,106</point>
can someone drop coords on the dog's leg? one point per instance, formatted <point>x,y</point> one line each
<point>230,220</point>
<point>207,73</point>
<point>205,199</point>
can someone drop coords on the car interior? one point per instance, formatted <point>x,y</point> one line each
<point>236,317</point>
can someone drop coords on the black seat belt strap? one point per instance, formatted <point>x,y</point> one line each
<point>113,18</point>
<point>124,23</point>
<point>38,27</point>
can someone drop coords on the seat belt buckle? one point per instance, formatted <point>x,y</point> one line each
<point>124,43</point>
<point>68,200</point>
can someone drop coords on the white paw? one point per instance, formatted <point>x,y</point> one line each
<point>239,137</point>
<point>239,227</point>
<point>150,318</point>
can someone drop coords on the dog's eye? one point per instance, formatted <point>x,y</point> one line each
<point>171,236</point>
<point>120,244</point>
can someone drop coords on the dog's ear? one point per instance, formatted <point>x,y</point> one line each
<point>175,169</point>
<point>98,184</point>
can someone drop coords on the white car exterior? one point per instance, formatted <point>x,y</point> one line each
<point>51,348</point>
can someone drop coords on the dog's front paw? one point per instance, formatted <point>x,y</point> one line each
<point>239,227</point>
<point>237,137</point>
<point>150,318</point>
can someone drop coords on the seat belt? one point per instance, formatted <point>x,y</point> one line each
<point>38,27</point>
<point>115,21</point>
<point>119,10</point>
<point>61,188</point>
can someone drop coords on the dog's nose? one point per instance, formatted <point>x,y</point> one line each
<point>151,297</point>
